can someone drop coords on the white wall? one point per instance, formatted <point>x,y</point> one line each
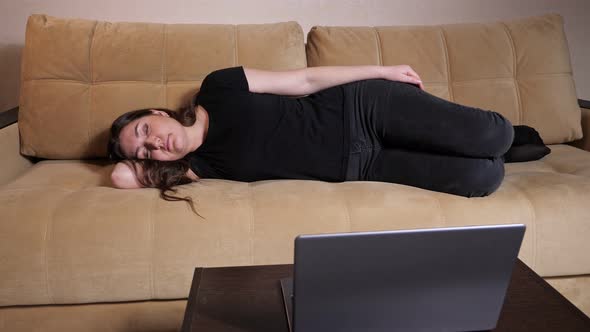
<point>14,13</point>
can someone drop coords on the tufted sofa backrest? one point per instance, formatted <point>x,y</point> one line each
<point>77,75</point>
<point>520,68</point>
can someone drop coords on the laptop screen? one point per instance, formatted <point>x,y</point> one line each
<point>440,279</point>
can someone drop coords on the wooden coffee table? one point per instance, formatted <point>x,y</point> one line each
<point>249,298</point>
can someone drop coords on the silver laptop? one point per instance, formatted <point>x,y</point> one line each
<point>440,279</point>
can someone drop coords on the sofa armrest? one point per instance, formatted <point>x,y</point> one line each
<point>12,162</point>
<point>584,142</point>
<point>9,117</point>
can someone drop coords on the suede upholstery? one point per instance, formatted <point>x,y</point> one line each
<point>68,237</point>
<point>13,163</point>
<point>78,75</point>
<point>519,68</point>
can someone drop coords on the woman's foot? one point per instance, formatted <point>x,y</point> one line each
<point>526,135</point>
<point>526,146</point>
<point>526,152</point>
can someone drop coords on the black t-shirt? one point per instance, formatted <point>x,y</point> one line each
<point>254,136</point>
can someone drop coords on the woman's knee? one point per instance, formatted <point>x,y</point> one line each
<point>484,180</point>
<point>498,136</point>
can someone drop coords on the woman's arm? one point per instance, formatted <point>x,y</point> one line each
<point>304,81</point>
<point>125,175</point>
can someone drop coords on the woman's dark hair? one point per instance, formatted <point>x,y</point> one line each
<point>163,175</point>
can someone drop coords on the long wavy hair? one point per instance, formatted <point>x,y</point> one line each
<point>164,175</point>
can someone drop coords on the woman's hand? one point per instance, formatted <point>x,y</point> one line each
<point>124,176</point>
<point>402,73</point>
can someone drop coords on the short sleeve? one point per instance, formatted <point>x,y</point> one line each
<point>232,78</point>
<point>200,167</point>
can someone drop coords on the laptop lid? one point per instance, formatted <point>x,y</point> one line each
<point>441,279</point>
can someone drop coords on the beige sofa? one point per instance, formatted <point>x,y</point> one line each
<point>78,255</point>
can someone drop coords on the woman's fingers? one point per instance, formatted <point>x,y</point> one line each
<point>413,80</point>
<point>412,73</point>
<point>416,78</point>
<point>406,74</point>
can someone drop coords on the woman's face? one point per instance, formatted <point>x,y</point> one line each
<point>156,136</point>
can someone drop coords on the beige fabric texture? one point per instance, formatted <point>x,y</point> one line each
<point>519,68</point>
<point>575,289</point>
<point>149,316</point>
<point>79,75</point>
<point>13,164</point>
<point>86,242</point>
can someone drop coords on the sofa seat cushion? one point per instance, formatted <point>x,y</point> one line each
<point>68,237</point>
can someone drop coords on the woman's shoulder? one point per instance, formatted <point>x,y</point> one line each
<point>232,78</point>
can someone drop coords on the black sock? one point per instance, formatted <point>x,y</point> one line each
<point>526,135</point>
<point>526,146</point>
<point>526,152</point>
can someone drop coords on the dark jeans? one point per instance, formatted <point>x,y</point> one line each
<point>404,135</point>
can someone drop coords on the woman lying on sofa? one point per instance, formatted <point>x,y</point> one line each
<point>357,123</point>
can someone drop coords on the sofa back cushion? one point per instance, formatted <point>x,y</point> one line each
<point>79,75</point>
<point>519,68</point>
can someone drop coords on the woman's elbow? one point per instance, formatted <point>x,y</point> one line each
<point>123,177</point>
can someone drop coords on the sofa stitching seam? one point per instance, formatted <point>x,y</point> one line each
<point>514,74</point>
<point>379,51</point>
<point>347,210</point>
<point>47,234</point>
<point>449,78</point>
<point>90,67</point>
<point>443,218</point>
<point>91,77</point>
<point>235,45</point>
<point>532,225</point>
<point>164,78</point>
